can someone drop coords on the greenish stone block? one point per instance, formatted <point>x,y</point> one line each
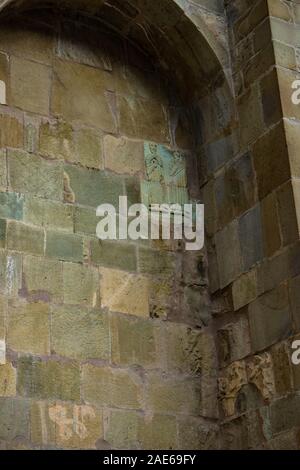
<point>31,174</point>
<point>21,237</point>
<point>85,220</point>
<point>94,187</point>
<point>43,278</point>
<point>156,262</point>
<point>85,338</point>
<point>114,255</point>
<point>11,206</point>
<point>164,166</point>
<point>133,191</point>
<point>51,214</point>
<point>3,169</point>
<point>3,225</point>
<point>14,419</point>
<point>81,284</point>
<point>48,380</point>
<point>64,246</point>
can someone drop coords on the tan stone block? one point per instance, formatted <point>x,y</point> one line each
<point>133,342</point>
<point>279,10</point>
<point>173,395</point>
<point>30,86</point>
<point>57,141</point>
<point>124,293</point>
<point>292,132</point>
<point>80,284</point>
<point>251,115</point>
<point>270,225</point>
<point>244,290</point>
<point>80,94</point>
<point>28,327</point>
<point>8,380</point>
<point>159,432</point>
<point>123,155</point>
<point>89,148</point>
<point>286,79</point>
<point>48,214</point>
<point>42,278</point>
<point>33,42</point>
<point>65,425</point>
<point>111,387</point>
<point>259,65</point>
<point>11,130</point>
<point>285,55</point>
<point>143,119</point>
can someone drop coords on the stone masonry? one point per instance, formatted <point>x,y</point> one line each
<point>143,345</point>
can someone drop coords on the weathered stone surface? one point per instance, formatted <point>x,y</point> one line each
<point>8,380</point>
<point>294,292</point>
<point>111,387</point>
<point>269,318</point>
<point>79,334</point>
<point>284,413</point>
<point>3,170</point>
<point>65,425</point>
<point>48,379</point>
<point>123,429</point>
<point>123,155</point>
<point>156,263</point>
<point>89,150</point>
<point>287,207</point>
<point>119,292</point>
<point>3,233</point>
<point>164,166</point>
<point>10,273</point>
<point>31,174</point>
<point>92,187</point>
<point>28,327</point>
<point>92,105</point>
<point>57,141</point>
<point>85,220</point>
<point>234,340</point>
<point>250,233</point>
<point>197,434</point>
<point>11,206</point>
<point>11,134</point>
<point>30,85</point>
<point>271,98</point>
<point>227,243</point>
<point>173,395</point>
<point>134,342</point>
<point>63,246</point>
<point>159,433</point>
<point>251,114</point>
<point>42,279</point>
<point>14,421</point>
<point>260,373</point>
<point>282,369</point>
<point>270,225</point>
<point>48,214</point>
<point>229,386</point>
<point>143,119</point>
<point>21,237</point>
<point>244,290</point>
<point>114,255</point>
<point>80,284</point>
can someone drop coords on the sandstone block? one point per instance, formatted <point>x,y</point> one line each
<point>21,237</point>
<point>80,284</point>
<point>43,278</point>
<point>64,246</point>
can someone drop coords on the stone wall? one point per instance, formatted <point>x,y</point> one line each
<point>108,344</point>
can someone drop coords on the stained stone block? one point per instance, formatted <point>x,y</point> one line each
<point>3,230</point>
<point>270,319</point>
<point>3,169</point>
<point>164,166</point>
<point>114,255</point>
<point>119,292</point>
<point>197,434</point>
<point>134,342</point>
<point>270,225</point>
<point>287,209</point>
<point>123,156</point>
<point>111,387</point>
<point>57,141</point>
<point>80,284</point>
<point>250,233</point>
<point>64,246</point>
<point>8,380</point>
<point>156,263</point>
<point>159,433</point>
<point>11,134</point>
<point>143,119</point>
<point>123,429</point>
<point>11,206</point>
<point>21,237</point>
<point>244,290</point>
<point>89,151</point>
<point>85,338</point>
<point>31,174</point>
<point>10,273</point>
<point>133,190</point>
<point>48,379</point>
<point>92,187</point>
<point>173,395</point>
<point>43,278</point>
<point>48,214</point>
<point>228,253</point>
<point>30,85</point>
<point>284,413</point>
<point>65,425</point>
<point>92,105</point>
<point>28,327</point>
<point>14,421</point>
